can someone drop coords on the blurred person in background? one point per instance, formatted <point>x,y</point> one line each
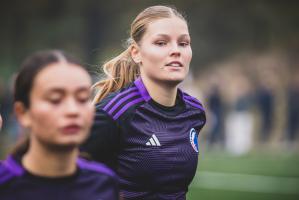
<point>240,120</point>
<point>52,103</point>
<point>293,108</point>
<point>145,127</point>
<point>216,112</point>
<point>265,103</point>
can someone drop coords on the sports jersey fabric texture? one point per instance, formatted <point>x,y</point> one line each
<point>92,181</point>
<point>153,148</point>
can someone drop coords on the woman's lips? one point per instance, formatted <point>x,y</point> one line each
<point>71,129</point>
<point>175,64</point>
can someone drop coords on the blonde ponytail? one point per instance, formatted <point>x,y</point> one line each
<point>120,71</point>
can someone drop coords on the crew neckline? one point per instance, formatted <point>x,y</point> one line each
<point>174,110</point>
<point>18,163</point>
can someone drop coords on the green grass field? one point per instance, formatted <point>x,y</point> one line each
<point>259,175</point>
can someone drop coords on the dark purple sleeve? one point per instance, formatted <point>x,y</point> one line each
<point>103,143</point>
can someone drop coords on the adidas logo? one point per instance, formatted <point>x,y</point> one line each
<point>153,141</point>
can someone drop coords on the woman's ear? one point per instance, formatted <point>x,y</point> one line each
<point>1,121</point>
<point>135,53</point>
<point>22,114</point>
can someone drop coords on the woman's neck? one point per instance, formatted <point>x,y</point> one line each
<point>164,94</point>
<point>42,162</point>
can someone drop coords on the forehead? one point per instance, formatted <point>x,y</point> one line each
<point>61,75</point>
<point>172,25</point>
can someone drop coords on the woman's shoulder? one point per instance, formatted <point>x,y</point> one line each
<point>96,168</point>
<point>192,101</point>
<point>117,95</point>
<point>3,173</point>
<point>9,169</point>
<point>117,103</point>
<point>99,175</point>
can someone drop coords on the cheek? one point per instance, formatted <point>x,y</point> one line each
<point>42,117</point>
<point>188,55</point>
<point>88,114</point>
<point>154,55</point>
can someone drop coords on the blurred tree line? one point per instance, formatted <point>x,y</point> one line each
<point>93,30</point>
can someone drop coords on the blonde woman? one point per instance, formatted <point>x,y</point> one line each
<point>145,127</point>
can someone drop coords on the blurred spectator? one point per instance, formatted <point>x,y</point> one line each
<point>240,120</point>
<point>215,105</point>
<point>293,108</point>
<point>265,103</point>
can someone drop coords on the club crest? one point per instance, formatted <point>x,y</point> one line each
<point>193,136</point>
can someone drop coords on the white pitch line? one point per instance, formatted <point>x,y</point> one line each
<point>245,182</point>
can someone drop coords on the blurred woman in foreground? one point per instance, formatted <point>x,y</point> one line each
<point>52,103</point>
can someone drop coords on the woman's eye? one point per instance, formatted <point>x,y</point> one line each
<point>54,101</point>
<point>160,43</point>
<point>83,100</point>
<point>184,44</point>
<point>83,97</point>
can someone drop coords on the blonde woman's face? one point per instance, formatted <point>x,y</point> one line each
<point>165,51</point>
<point>60,112</point>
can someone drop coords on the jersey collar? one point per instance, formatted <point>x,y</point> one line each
<point>144,93</point>
<point>142,90</point>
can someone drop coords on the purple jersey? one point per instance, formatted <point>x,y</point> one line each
<point>92,181</point>
<point>153,148</point>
